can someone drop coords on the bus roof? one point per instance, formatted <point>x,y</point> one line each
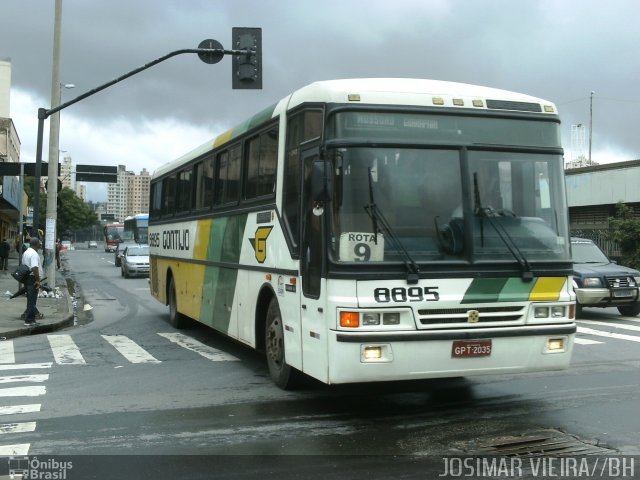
<point>139,216</point>
<point>381,91</point>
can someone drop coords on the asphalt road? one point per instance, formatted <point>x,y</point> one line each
<point>125,392</point>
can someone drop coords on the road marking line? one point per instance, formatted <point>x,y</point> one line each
<point>130,350</point>
<point>17,449</point>
<point>25,366</point>
<point>622,326</point>
<point>206,351</point>
<point>17,427</point>
<point>15,409</point>
<point>25,378</point>
<point>586,341</point>
<point>33,391</point>
<point>65,351</point>
<point>619,336</point>
<point>7,354</point>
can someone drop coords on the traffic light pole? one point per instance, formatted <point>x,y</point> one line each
<point>208,55</point>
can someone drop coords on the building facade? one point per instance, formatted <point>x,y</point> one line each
<point>12,197</point>
<point>130,195</point>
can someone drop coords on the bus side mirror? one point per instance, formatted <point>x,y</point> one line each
<point>321,181</point>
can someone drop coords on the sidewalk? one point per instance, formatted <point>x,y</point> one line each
<point>58,312</point>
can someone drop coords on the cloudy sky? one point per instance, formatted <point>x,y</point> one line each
<point>560,50</point>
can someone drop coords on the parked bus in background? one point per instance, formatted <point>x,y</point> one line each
<point>136,228</point>
<point>373,230</point>
<point>112,236</point>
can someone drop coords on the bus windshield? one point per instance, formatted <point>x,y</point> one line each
<point>447,203</point>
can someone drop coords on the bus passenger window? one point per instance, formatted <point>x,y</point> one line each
<point>261,165</point>
<point>227,187</point>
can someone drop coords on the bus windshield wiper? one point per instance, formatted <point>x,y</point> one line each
<point>378,219</point>
<point>489,213</point>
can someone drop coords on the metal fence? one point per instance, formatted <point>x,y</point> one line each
<point>600,236</point>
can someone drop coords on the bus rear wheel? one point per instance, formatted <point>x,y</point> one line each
<point>282,374</point>
<point>177,319</point>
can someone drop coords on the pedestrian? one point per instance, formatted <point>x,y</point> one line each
<point>58,248</point>
<point>5,248</point>
<point>31,258</point>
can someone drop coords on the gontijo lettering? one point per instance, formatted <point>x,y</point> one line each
<point>177,239</point>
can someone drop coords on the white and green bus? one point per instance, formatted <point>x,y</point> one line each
<point>371,230</point>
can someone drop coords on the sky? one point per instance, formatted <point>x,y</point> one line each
<point>558,50</point>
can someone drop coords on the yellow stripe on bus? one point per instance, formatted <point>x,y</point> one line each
<point>223,138</point>
<point>201,245</point>
<point>547,289</point>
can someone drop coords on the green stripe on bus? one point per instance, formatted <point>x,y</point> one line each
<point>259,118</point>
<point>515,290</point>
<point>484,290</point>
<point>225,243</point>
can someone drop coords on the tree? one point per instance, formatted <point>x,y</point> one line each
<point>73,212</point>
<point>624,229</point>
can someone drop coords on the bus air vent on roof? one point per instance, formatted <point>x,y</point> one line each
<point>506,105</point>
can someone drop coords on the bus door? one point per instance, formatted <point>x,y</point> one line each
<point>313,312</point>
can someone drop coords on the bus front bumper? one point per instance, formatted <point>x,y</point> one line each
<point>386,356</point>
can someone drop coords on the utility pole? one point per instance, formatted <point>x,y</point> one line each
<point>590,124</point>
<point>54,140</point>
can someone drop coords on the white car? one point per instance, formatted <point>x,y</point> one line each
<point>135,261</point>
<point>66,245</point>
<point>92,244</point>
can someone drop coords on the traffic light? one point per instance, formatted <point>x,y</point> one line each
<point>247,69</point>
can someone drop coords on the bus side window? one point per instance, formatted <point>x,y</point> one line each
<point>169,189</point>
<point>183,197</point>
<point>227,177</point>
<point>261,164</point>
<point>156,200</point>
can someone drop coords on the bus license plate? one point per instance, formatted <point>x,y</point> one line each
<point>471,348</point>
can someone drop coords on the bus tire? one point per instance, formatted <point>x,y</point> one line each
<point>282,374</point>
<point>176,319</point>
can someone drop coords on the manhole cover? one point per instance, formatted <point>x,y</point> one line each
<point>545,442</point>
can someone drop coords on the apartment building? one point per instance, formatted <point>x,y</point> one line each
<point>129,195</point>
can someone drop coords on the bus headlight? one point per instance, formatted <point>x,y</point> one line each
<point>376,353</point>
<point>392,318</point>
<point>541,312</point>
<point>557,312</point>
<point>370,319</point>
<point>556,345</point>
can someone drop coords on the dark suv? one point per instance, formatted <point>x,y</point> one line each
<point>598,282</point>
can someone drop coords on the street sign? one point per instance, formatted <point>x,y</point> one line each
<point>96,173</point>
<point>12,169</point>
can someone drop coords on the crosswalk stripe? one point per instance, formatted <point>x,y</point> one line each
<point>17,427</point>
<point>25,378</point>
<point>623,326</point>
<point>32,391</point>
<point>130,350</point>
<point>586,341</point>
<point>15,409</point>
<point>25,366</point>
<point>12,450</point>
<point>619,336</point>
<point>206,351</point>
<point>7,354</point>
<point>65,350</point>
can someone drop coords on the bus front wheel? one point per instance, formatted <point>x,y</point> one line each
<point>176,319</point>
<point>281,373</point>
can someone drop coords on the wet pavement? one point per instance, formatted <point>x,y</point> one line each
<point>56,306</point>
